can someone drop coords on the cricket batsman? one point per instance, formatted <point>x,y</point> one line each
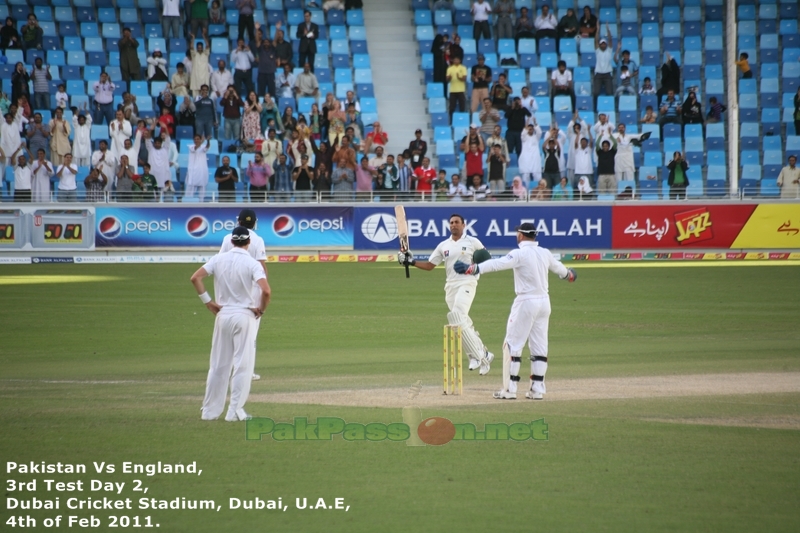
<point>530,314</point>
<point>459,289</point>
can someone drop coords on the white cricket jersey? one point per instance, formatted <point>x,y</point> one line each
<point>451,251</point>
<point>257,249</point>
<point>235,273</point>
<point>531,265</point>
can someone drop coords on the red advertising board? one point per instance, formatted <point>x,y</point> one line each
<point>677,226</point>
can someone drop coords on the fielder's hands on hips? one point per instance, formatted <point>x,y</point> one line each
<point>214,307</point>
<point>258,312</point>
<point>405,258</point>
<point>571,275</point>
<point>463,268</point>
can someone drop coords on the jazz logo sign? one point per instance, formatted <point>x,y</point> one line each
<point>693,226</point>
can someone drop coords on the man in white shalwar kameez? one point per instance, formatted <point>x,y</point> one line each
<point>623,161</point>
<point>530,158</point>
<point>197,172</point>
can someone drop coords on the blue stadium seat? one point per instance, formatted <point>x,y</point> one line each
<point>769,187</point>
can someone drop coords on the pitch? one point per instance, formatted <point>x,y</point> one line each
<point>673,400</point>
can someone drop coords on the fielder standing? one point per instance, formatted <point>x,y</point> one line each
<point>257,250</point>
<point>530,314</point>
<point>459,289</point>
<point>233,345</point>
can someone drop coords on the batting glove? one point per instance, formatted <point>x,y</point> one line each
<point>463,268</point>
<point>405,258</point>
<point>571,275</point>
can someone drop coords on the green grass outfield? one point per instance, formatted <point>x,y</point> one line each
<point>113,369</point>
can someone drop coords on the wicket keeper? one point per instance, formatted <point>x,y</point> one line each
<point>459,289</point>
<point>529,319</point>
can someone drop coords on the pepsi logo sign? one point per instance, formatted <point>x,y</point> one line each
<point>197,226</point>
<point>110,227</point>
<point>283,226</point>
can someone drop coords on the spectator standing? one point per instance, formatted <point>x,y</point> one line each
<point>561,83</point>
<point>497,169</point>
<point>95,184</point>
<point>678,180</point>
<point>377,138</point>
<point>365,177</point>
<point>623,164</point>
<point>129,57</point>
<point>716,109</point>
<point>517,118</point>
<point>404,174</point>
<point>171,19</point>
<point>418,149</point>
<point>307,32</point>
<point>200,55</point>
<point>158,159</point>
<point>303,176</point>
<point>271,148</point>
<point>530,160</point>
<point>38,134</point>
<point>267,62</point>
<point>42,172</point>
<point>205,119</point>
<point>232,113</point>
<point>474,159</point>
<point>242,60</point>
<point>246,22</point>
<point>481,10</point>
<point>625,60</point>
<point>40,75</point>
<point>489,118</point>
<point>603,128</point>
<point>584,161</point>
<point>552,174</point>
<point>424,176</point>
<point>457,76</point>
<point>197,171</point>
<point>59,137</point>
<point>82,138</point>
<point>127,188</point>
<point>505,12</point>
<point>343,177</point>
<point>546,25</point>
<point>226,178</point>
<point>258,173</point>
<point>105,161</point>
<point>283,48</point>
<point>744,65</point>
<point>66,174</point>
<point>481,76</point>
<point>199,17</point>
<point>10,140</point>
<point>576,129</point>
<point>606,173</point>
<point>670,77</point>
<point>32,34</point>
<point>497,138</point>
<point>19,82</point>
<point>281,180</point>
<point>789,179</point>
<point>251,125</point>
<point>221,80</point>
<point>603,66</point>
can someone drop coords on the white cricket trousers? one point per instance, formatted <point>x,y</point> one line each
<point>459,300</point>
<point>232,346</point>
<point>529,321</point>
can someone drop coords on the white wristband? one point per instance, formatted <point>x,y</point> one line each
<point>205,298</point>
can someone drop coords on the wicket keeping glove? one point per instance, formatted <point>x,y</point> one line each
<point>463,268</point>
<point>571,275</point>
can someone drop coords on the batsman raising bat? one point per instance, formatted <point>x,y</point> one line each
<point>529,319</point>
<point>459,289</point>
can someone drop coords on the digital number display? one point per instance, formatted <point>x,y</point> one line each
<point>6,233</point>
<point>54,233</point>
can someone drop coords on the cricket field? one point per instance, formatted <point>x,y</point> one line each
<point>673,404</point>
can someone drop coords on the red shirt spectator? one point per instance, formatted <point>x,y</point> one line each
<point>426,176</point>
<point>474,161</point>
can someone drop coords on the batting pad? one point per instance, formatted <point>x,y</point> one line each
<point>470,340</point>
<point>506,366</point>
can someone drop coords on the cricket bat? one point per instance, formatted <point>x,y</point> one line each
<point>402,231</point>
